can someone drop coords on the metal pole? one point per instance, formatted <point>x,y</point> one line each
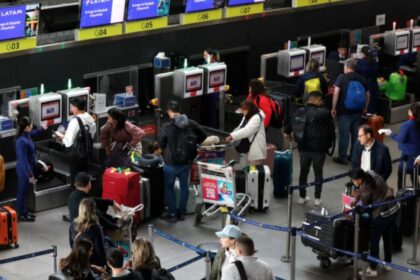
<point>54,255</point>
<point>207,261</point>
<point>222,110</point>
<point>364,266</point>
<point>286,258</point>
<point>356,241</point>
<point>293,258</point>
<point>150,229</point>
<point>413,260</point>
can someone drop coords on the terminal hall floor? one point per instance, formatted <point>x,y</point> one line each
<point>49,229</point>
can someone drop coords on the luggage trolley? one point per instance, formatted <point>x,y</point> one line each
<point>217,181</point>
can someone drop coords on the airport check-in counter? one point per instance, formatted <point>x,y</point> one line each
<point>395,111</point>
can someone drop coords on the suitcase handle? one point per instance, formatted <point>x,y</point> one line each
<point>308,224</point>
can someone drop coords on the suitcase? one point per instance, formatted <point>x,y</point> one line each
<point>269,161</point>
<point>240,181</point>
<point>282,175</point>
<point>258,184</point>
<point>157,193</point>
<point>8,227</point>
<point>376,122</point>
<point>336,234</point>
<point>122,187</point>
<point>192,198</point>
<point>406,218</point>
<point>145,192</point>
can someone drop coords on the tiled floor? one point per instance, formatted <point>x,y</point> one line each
<point>50,229</point>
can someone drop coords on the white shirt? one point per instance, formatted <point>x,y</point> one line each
<point>73,128</point>
<point>230,258</point>
<point>255,269</point>
<point>365,162</point>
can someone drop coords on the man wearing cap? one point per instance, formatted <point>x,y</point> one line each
<point>83,186</point>
<point>226,254</point>
<point>177,157</point>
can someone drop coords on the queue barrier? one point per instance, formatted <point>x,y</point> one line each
<point>52,251</point>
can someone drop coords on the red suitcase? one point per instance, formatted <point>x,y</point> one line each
<point>376,122</point>
<point>269,161</point>
<point>8,227</point>
<point>122,187</point>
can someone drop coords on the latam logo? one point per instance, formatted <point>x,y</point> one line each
<point>93,2</point>
<point>11,13</point>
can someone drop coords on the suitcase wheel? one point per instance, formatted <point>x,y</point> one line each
<point>198,216</point>
<point>325,263</point>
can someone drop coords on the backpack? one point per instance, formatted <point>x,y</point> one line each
<point>162,274</point>
<point>186,145</point>
<point>277,117</point>
<point>311,85</point>
<point>82,146</point>
<point>298,126</point>
<point>240,266</point>
<point>355,98</point>
<point>396,87</point>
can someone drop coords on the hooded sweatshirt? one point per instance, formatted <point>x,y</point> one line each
<point>170,130</point>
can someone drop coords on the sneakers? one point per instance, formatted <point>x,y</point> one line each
<point>318,202</point>
<point>371,273</point>
<point>302,200</point>
<point>339,160</point>
<point>386,268</point>
<point>169,218</point>
<point>26,218</point>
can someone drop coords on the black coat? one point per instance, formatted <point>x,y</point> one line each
<point>380,158</point>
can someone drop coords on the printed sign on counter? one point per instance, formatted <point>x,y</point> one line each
<point>146,25</point>
<point>203,16</point>
<point>244,10</point>
<point>99,32</point>
<point>17,45</point>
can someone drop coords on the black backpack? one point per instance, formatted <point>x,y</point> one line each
<point>162,274</point>
<point>82,146</point>
<point>186,145</point>
<point>277,117</point>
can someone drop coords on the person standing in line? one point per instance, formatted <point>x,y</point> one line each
<point>311,81</point>
<point>260,99</point>
<point>369,154</point>
<point>313,130</point>
<point>368,68</point>
<point>350,101</point>
<point>25,163</point>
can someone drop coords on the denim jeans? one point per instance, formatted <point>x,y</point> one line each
<point>306,159</point>
<point>347,124</point>
<point>382,227</point>
<point>171,172</point>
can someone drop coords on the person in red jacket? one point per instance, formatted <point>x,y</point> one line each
<point>260,98</point>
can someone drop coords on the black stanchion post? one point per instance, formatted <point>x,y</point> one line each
<point>54,255</point>
<point>286,258</point>
<point>293,257</point>
<point>208,265</point>
<point>356,240</point>
<point>413,260</point>
<point>150,231</point>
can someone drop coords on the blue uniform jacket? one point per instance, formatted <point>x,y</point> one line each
<point>25,153</point>
<point>408,139</point>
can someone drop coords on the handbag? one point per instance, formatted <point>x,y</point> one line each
<point>245,145</point>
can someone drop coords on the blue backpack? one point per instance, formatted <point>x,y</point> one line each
<point>355,96</point>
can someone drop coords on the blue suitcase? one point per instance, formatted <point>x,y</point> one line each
<point>282,174</point>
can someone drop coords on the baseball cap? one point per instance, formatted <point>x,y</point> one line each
<point>229,231</point>
<point>82,179</point>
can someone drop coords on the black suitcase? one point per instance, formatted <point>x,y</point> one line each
<point>157,194</point>
<point>405,221</point>
<point>240,181</point>
<point>334,234</point>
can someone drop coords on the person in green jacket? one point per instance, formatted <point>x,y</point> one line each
<point>226,254</point>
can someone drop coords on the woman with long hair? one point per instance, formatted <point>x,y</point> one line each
<point>251,129</point>
<point>87,226</point>
<point>408,142</point>
<point>25,163</point>
<point>368,68</point>
<point>77,264</point>
<point>115,135</point>
<point>259,97</point>
<point>144,258</point>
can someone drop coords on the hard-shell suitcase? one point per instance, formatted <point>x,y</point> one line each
<point>376,122</point>
<point>8,227</point>
<point>269,161</point>
<point>192,197</point>
<point>240,185</point>
<point>145,195</point>
<point>333,234</point>
<point>282,174</point>
<point>122,187</point>
<point>258,184</point>
<point>157,193</point>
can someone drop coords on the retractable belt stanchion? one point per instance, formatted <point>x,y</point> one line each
<point>364,265</point>
<point>293,255</point>
<point>356,241</point>
<point>54,255</point>
<point>413,260</point>
<point>286,258</point>
<point>150,230</point>
<point>207,261</point>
